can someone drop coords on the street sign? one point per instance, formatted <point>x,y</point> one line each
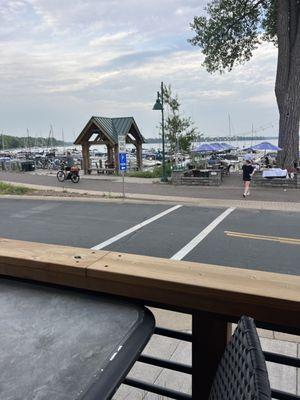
<point>122,143</point>
<point>122,162</point>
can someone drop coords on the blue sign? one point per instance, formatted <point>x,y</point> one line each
<point>122,162</point>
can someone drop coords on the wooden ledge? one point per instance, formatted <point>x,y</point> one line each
<point>267,297</point>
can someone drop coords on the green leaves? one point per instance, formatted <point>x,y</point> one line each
<point>232,30</point>
<point>180,132</point>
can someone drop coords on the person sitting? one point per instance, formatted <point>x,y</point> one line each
<point>267,162</point>
<point>69,162</point>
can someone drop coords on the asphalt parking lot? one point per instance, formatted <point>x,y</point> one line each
<point>259,240</point>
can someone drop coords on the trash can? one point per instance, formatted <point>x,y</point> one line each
<point>27,165</point>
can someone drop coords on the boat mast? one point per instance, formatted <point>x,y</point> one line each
<point>63,138</point>
<point>229,128</point>
<point>28,141</point>
<point>2,141</point>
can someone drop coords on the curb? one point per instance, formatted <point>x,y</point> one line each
<point>139,197</point>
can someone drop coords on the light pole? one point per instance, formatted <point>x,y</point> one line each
<point>159,105</point>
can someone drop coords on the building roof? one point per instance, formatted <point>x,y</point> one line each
<point>111,127</point>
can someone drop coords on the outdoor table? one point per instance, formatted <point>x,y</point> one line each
<point>274,173</point>
<point>66,344</point>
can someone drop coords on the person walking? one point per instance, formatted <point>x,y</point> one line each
<point>248,171</point>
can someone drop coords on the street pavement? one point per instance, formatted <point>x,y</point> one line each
<point>255,239</point>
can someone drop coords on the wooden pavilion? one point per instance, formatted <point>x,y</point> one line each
<point>106,131</point>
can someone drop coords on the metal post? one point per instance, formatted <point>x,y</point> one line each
<point>210,336</point>
<point>164,175</point>
<point>123,180</point>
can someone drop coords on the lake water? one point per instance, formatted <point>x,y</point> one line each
<point>158,146</point>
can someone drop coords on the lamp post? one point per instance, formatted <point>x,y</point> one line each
<point>159,105</point>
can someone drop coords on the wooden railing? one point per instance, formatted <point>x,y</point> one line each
<point>214,295</point>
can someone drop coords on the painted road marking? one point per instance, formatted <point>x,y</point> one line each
<point>134,228</point>
<point>277,239</point>
<point>202,235</point>
<point>35,210</point>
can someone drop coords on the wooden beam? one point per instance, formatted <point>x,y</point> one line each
<point>110,155</point>
<point>116,156</point>
<point>131,141</point>
<point>86,156</point>
<point>96,142</point>
<point>231,292</point>
<point>139,158</point>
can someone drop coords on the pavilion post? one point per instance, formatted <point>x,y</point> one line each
<point>110,156</point>
<point>139,159</point>
<point>116,154</point>
<point>86,157</point>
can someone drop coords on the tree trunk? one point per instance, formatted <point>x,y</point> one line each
<point>289,111</point>
<point>287,86</point>
<point>288,138</point>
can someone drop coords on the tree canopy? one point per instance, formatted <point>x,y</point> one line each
<point>229,33</point>
<point>233,30</point>
<point>15,142</point>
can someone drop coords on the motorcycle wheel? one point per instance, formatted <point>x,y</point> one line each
<point>61,176</point>
<point>75,178</point>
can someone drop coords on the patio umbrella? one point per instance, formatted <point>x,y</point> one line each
<point>204,147</point>
<point>218,146</point>
<point>265,146</point>
<point>227,146</point>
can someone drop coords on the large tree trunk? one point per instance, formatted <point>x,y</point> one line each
<point>287,86</point>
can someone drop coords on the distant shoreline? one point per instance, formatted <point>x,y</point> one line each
<point>221,139</point>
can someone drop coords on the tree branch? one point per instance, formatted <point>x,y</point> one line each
<point>244,15</point>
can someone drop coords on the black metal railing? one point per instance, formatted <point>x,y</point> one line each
<point>187,369</point>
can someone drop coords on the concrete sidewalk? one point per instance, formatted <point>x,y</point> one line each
<point>231,189</point>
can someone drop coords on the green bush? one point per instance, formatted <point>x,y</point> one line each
<point>155,173</point>
<point>6,188</point>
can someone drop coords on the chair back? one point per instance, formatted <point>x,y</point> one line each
<point>242,372</point>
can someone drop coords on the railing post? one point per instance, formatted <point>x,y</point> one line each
<point>210,336</point>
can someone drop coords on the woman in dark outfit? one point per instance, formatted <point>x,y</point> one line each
<point>248,171</point>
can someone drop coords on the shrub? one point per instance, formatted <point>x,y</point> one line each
<point>155,173</point>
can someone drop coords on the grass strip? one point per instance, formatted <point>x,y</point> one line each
<point>6,188</point>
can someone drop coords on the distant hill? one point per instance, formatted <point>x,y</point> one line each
<point>15,142</point>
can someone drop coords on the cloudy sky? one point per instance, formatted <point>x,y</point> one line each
<point>62,61</point>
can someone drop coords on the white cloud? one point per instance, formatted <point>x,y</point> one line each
<point>265,99</point>
<point>109,56</point>
<point>110,39</point>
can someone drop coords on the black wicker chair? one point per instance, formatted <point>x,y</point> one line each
<point>242,373</point>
